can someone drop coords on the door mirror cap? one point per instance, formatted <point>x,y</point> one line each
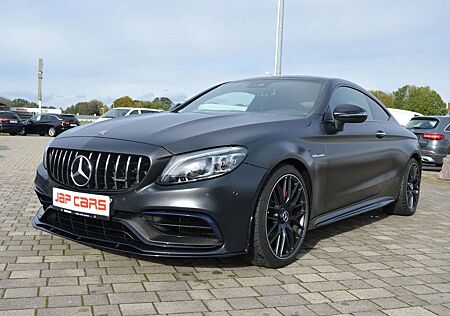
<point>348,113</point>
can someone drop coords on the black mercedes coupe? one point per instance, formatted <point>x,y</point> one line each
<point>246,167</point>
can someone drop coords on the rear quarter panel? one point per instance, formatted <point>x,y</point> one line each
<point>403,145</point>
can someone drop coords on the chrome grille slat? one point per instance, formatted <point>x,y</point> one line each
<point>106,172</point>
<point>53,166</point>
<point>57,164</point>
<point>110,171</point>
<point>69,165</point>
<point>62,165</point>
<point>126,172</point>
<point>96,170</point>
<point>115,172</point>
<point>138,169</point>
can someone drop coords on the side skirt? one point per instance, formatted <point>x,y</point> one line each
<point>350,211</point>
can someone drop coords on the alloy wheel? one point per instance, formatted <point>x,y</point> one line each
<point>413,186</point>
<point>287,214</point>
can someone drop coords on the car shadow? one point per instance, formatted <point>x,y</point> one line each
<point>313,237</point>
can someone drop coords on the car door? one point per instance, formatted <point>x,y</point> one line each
<point>43,124</point>
<point>31,127</point>
<point>358,156</point>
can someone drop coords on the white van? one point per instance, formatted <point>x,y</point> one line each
<point>403,116</point>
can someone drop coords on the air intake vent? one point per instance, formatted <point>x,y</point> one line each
<point>182,225</point>
<point>107,172</point>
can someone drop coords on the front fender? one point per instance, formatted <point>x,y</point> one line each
<point>303,153</point>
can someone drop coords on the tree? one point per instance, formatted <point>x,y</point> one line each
<point>93,107</point>
<point>23,103</point>
<point>417,99</point>
<point>420,99</point>
<point>163,103</point>
<point>386,98</point>
<point>124,102</point>
<point>163,100</point>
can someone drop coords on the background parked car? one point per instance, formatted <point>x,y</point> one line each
<point>403,116</point>
<point>10,123</point>
<point>121,112</point>
<point>433,133</point>
<point>50,124</point>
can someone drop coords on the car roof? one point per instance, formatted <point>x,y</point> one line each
<point>290,77</point>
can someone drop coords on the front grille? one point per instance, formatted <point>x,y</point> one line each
<point>110,171</point>
<point>182,225</point>
<point>91,227</point>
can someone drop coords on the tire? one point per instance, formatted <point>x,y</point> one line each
<point>13,134</point>
<point>409,189</point>
<point>23,132</point>
<point>272,221</point>
<point>52,132</point>
<point>40,134</point>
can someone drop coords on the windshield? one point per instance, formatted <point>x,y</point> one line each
<point>291,97</point>
<point>422,123</point>
<point>115,113</point>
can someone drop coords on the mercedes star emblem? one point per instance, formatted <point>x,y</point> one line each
<point>80,171</point>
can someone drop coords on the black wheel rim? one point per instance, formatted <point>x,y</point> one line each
<point>287,214</point>
<point>413,186</point>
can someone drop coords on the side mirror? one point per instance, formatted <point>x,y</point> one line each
<point>348,113</point>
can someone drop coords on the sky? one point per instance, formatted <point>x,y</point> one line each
<point>177,48</point>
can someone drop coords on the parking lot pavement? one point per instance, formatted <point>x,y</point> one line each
<point>373,264</point>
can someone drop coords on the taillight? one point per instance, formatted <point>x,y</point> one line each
<point>2,119</point>
<point>64,123</point>
<point>433,136</point>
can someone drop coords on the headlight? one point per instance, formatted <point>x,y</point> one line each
<point>44,158</point>
<point>201,165</point>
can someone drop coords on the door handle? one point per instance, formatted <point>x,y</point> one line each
<point>380,134</point>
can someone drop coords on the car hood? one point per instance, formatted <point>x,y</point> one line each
<point>183,132</point>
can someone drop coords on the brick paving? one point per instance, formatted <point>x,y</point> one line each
<point>373,264</point>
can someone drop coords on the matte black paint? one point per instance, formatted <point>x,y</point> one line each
<point>350,171</point>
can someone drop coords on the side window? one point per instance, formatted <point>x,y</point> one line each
<point>38,118</point>
<point>344,95</point>
<point>53,118</point>
<point>377,111</point>
<point>134,112</point>
<point>448,127</point>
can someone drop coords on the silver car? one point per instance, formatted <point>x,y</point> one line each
<point>433,133</point>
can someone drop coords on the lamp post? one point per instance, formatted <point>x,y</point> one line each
<point>279,38</point>
<point>40,73</point>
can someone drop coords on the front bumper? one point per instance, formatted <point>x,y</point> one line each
<point>224,205</point>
